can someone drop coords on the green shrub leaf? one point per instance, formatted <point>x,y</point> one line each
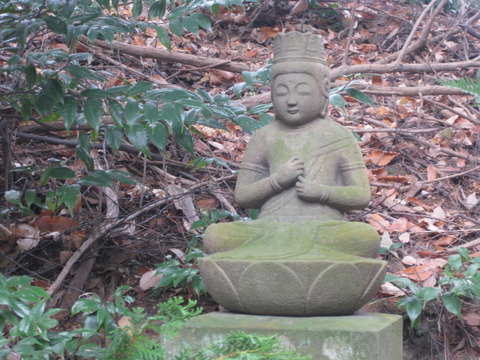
<point>55,24</point>
<point>157,9</point>
<point>452,303</point>
<point>93,113</point>
<point>138,137</point>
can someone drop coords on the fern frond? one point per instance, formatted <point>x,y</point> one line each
<point>467,85</point>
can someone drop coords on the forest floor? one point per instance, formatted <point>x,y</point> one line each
<point>421,148</point>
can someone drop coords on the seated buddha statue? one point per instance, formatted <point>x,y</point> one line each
<point>302,171</point>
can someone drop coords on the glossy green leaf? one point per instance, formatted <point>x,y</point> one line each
<point>68,111</point>
<point>137,8</point>
<point>428,293</point>
<point>138,137</point>
<point>83,150</point>
<point>56,24</point>
<point>463,252</point>
<point>190,24</point>
<point>248,124</point>
<point>158,135</point>
<point>26,108</point>
<point>62,172</point>
<point>132,112</point>
<point>176,27</point>
<point>43,104</point>
<point>30,197</point>
<point>337,100</point>
<point>114,137</point>
<point>45,176</point>
<point>359,95</point>
<point>30,75</point>
<point>69,195</point>
<point>414,309</point>
<point>170,114</point>
<point>164,37</point>
<point>97,178</point>
<point>116,112</point>
<point>93,113</point>
<point>151,113</point>
<point>183,137</point>
<point>14,197</point>
<point>122,176</point>
<point>202,20</point>
<point>265,118</point>
<point>455,262</point>
<point>157,9</point>
<point>452,303</point>
<point>83,73</point>
<point>139,87</point>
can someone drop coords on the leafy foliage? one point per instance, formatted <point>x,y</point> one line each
<point>461,280</point>
<point>28,328</point>
<point>185,273</point>
<point>26,323</point>
<point>241,346</point>
<point>468,85</point>
<point>58,84</point>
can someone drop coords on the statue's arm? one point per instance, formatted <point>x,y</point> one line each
<point>352,190</point>
<point>353,194</point>
<point>255,183</point>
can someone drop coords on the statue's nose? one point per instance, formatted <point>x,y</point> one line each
<point>292,101</point>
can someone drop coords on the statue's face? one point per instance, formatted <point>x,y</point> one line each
<point>297,99</point>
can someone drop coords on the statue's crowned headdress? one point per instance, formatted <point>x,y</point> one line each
<point>295,46</point>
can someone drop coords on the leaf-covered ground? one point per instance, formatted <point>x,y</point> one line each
<point>420,142</point>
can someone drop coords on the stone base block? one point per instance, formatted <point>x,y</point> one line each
<point>362,336</point>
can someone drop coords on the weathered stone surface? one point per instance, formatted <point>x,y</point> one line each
<point>362,336</point>
<point>293,288</point>
<point>303,171</point>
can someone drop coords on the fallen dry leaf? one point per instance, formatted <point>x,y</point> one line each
<point>378,222</point>
<point>150,279</point>
<point>392,290</point>
<point>400,225</point>
<point>30,236</point>
<point>444,241</point>
<point>472,319</point>
<point>207,204</point>
<point>417,273</point>
<point>178,253</point>
<point>380,157</point>
<point>55,223</point>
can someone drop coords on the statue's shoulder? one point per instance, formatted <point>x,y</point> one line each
<point>337,131</point>
<point>265,132</point>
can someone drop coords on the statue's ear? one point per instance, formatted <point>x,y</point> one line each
<point>326,83</point>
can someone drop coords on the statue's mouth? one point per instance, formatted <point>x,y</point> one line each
<point>292,111</point>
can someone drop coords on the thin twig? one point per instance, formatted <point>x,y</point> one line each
<point>453,110</point>
<point>407,42</point>
<point>467,245</point>
<point>106,228</point>
<point>350,33</point>
<point>126,68</point>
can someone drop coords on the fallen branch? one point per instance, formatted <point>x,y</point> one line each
<point>425,32</point>
<point>467,245</point>
<point>420,43</point>
<point>266,97</point>
<point>402,68</point>
<point>73,143</point>
<point>106,228</point>
<point>126,68</point>
<point>170,57</point>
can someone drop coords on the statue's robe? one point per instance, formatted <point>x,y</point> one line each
<point>288,225</point>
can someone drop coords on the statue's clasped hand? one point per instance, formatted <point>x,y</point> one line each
<point>288,173</point>
<point>311,191</point>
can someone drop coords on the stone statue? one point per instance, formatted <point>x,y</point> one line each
<point>303,171</point>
